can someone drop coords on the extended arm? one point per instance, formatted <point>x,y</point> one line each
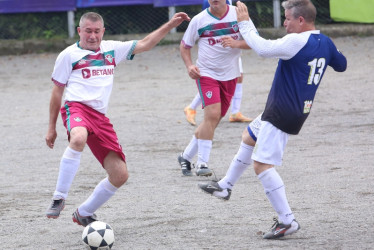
<point>156,36</point>
<point>54,108</point>
<point>284,48</point>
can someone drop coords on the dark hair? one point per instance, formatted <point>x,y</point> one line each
<point>304,8</point>
<point>92,16</point>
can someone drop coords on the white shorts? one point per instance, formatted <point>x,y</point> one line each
<point>254,127</point>
<point>270,144</point>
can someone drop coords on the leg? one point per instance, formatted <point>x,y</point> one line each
<point>196,102</point>
<point>69,165</point>
<point>70,161</point>
<point>205,132</point>
<point>190,110</point>
<point>236,115</point>
<point>276,193</point>
<point>237,98</point>
<point>269,152</point>
<point>116,169</point>
<point>117,176</point>
<point>275,190</point>
<point>239,164</point>
<point>201,142</point>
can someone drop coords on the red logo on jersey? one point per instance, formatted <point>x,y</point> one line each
<point>86,73</point>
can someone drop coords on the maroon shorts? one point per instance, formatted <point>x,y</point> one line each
<point>101,136</point>
<point>214,91</point>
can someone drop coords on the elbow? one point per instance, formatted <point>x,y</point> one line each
<point>342,67</point>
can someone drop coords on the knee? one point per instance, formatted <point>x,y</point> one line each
<point>118,175</point>
<point>78,139</point>
<point>214,118</point>
<point>247,139</point>
<point>124,177</point>
<point>261,167</point>
<point>119,178</point>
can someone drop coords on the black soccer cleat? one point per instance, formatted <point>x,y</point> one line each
<point>214,189</point>
<point>185,165</point>
<point>83,220</point>
<point>280,230</point>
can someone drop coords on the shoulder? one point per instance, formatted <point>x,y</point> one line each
<point>200,15</point>
<point>197,19</point>
<point>232,8</point>
<point>298,39</point>
<point>112,44</point>
<point>326,38</point>
<point>232,11</point>
<point>69,51</point>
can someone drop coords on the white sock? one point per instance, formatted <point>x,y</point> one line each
<point>101,194</point>
<point>191,149</point>
<point>204,148</point>
<point>276,193</point>
<point>237,98</point>
<point>239,164</point>
<point>69,165</point>
<point>196,101</point>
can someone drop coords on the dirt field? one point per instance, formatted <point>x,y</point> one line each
<point>328,168</point>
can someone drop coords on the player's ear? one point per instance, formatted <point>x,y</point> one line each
<point>301,20</point>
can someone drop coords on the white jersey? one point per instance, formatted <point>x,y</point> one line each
<point>214,60</point>
<point>88,75</point>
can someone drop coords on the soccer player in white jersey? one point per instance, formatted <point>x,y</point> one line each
<point>85,70</point>
<point>215,72</point>
<point>304,54</point>
<point>236,115</point>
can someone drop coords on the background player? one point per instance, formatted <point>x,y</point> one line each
<point>236,115</point>
<point>216,72</point>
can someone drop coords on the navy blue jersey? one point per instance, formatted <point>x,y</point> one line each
<point>296,81</point>
<point>303,59</point>
<point>206,4</point>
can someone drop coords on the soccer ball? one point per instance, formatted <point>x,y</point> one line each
<point>98,235</point>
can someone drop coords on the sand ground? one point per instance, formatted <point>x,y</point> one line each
<point>327,168</point>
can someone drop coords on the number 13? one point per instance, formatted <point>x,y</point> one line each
<point>316,64</point>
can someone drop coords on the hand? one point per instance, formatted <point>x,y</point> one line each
<point>50,138</point>
<point>242,12</point>
<point>194,72</point>
<point>178,18</point>
<point>228,41</point>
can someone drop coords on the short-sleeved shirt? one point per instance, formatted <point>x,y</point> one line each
<point>88,75</point>
<point>214,60</point>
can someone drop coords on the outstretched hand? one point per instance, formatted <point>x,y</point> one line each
<point>242,12</point>
<point>178,18</point>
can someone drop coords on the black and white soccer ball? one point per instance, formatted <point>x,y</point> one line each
<point>98,235</point>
